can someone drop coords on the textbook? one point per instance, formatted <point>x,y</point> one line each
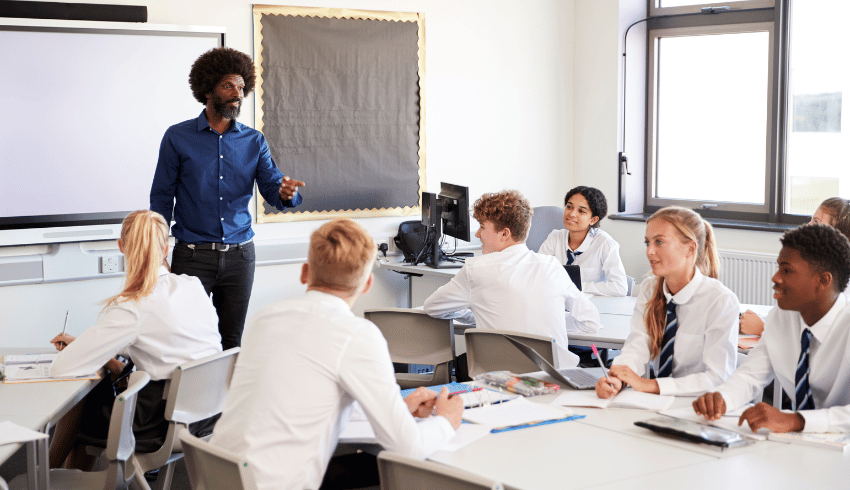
<point>829,440</point>
<point>628,398</point>
<point>34,368</point>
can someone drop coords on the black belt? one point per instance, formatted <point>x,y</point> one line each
<point>219,247</point>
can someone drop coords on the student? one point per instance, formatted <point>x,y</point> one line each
<point>511,287</point>
<point>683,308</point>
<point>814,267</point>
<point>305,360</point>
<point>582,243</point>
<point>159,320</point>
<point>834,212</point>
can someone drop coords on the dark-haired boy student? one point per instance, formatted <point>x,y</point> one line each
<point>805,342</point>
<point>305,360</point>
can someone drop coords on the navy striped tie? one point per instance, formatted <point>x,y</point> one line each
<point>665,363</point>
<point>571,256</point>
<point>801,386</point>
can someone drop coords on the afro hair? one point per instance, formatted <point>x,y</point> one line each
<point>824,247</point>
<point>209,69</point>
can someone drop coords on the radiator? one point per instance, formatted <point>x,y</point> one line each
<point>748,275</point>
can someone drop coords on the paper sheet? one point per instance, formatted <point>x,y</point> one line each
<point>515,412</point>
<point>11,432</point>
<point>628,398</point>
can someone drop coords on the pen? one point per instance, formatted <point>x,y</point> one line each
<point>64,327</point>
<point>601,364</point>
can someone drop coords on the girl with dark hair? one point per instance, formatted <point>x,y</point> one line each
<point>583,243</point>
<point>685,320</point>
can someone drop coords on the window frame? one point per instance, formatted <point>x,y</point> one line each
<point>681,21</point>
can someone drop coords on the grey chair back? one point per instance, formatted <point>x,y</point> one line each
<point>488,350</point>
<point>213,468</point>
<point>402,472</point>
<point>543,222</point>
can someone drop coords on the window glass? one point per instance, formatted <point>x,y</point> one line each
<point>712,109</point>
<point>817,165</point>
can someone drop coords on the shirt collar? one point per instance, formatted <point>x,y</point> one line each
<point>330,300</point>
<point>585,244</point>
<point>822,327</point>
<point>204,125</point>
<point>687,292</point>
<point>518,248</point>
<point>163,270</point>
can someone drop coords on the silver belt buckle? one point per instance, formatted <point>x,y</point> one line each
<point>222,247</point>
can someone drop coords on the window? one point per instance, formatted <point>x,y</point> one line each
<point>744,107</point>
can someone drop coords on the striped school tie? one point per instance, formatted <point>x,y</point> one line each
<point>665,364</point>
<point>802,390</point>
<point>571,256</point>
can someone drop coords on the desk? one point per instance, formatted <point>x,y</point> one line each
<point>417,271</point>
<point>612,335</point>
<point>37,406</point>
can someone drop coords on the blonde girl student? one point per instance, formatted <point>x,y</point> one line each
<point>159,320</point>
<point>685,322</point>
<point>583,243</point>
<point>834,212</point>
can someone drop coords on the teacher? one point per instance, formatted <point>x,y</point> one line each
<point>205,174</point>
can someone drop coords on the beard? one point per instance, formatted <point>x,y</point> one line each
<point>226,111</point>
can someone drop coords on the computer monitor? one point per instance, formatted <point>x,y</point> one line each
<point>447,212</point>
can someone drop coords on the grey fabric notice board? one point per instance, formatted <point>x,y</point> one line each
<point>340,102</point>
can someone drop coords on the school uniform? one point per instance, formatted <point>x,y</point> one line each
<point>706,341</point>
<point>303,363</point>
<point>517,289</point>
<point>778,352</point>
<point>602,271</point>
<point>176,323</point>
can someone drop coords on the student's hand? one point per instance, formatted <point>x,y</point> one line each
<point>62,340</point>
<point>712,406</point>
<point>289,187</point>
<point>629,377</point>
<point>751,323</point>
<point>421,402</point>
<point>450,407</point>
<point>764,415</point>
<point>608,387</point>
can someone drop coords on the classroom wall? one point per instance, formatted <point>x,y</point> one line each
<point>499,98</point>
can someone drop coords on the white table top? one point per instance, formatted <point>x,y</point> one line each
<point>418,269</point>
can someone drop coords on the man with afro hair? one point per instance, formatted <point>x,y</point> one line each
<point>205,179</point>
<point>805,341</point>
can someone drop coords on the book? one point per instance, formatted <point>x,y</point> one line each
<point>628,398</point>
<point>34,368</point>
<point>829,440</point>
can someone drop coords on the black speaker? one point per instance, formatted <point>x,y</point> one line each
<point>73,11</point>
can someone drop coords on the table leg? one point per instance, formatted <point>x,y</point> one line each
<point>32,477</point>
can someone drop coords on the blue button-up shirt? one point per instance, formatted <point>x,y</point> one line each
<point>212,177</point>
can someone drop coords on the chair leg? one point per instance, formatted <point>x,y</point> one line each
<point>138,482</point>
<point>166,473</point>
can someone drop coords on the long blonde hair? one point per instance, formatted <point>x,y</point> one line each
<point>691,228</point>
<point>144,236</point>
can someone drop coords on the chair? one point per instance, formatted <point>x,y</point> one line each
<point>120,444</point>
<point>213,468</point>
<point>401,472</point>
<point>488,350</point>
<point>543,221</point>
<point>195,392</point>
<point>413,337</point>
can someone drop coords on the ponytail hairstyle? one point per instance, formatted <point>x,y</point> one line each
<point>839,209</point>
<point>144,236</point>
<point>691,228</point>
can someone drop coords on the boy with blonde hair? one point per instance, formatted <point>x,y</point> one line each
<point>305,360</point>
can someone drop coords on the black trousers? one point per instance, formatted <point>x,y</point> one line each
<point>228,276</point>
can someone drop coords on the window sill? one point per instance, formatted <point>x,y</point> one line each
<point>717,223</point>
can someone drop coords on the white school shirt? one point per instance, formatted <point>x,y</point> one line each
<point>174,324</point>
<point>303,363</point>
<point>602,271</point>
<point>778,352</point>
<point>517,289</point>
<point>706,347</point>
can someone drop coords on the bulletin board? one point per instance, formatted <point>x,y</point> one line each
<point>340,100</point>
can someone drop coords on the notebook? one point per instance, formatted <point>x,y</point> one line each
<point>580,379</point>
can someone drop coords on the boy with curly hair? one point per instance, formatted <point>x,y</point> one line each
<point>510,287</point>
<point>208,165</point>
<point>805,341</point>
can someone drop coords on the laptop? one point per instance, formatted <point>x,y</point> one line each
<point>575,274</point>
<point>578,378</point>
